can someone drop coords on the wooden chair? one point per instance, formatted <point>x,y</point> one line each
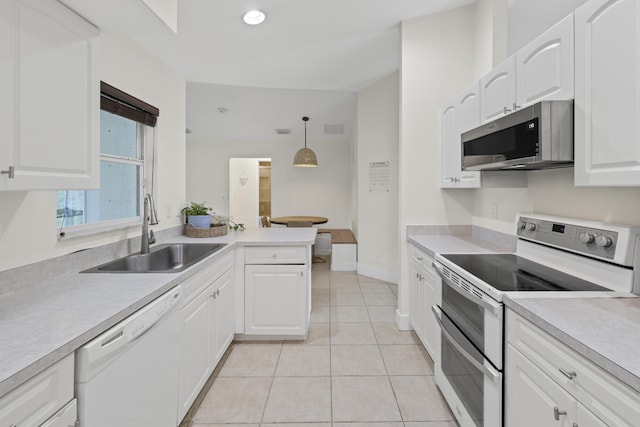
<point>302,224</point>
<point>264,222</point>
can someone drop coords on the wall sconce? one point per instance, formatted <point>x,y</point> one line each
<point>243,178</point>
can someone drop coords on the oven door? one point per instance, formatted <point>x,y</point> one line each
<point>468,381</point>
<point>478,316</point>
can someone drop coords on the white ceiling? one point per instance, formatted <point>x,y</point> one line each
<point>308,45</point>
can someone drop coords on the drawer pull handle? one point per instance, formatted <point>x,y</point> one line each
<point>557,412</point>
<point>571,375</point>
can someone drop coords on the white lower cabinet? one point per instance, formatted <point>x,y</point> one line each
<point>42,399</point>
<point>549,384</point>
<point>276,299</point>
<point>65,417</point>
<point>277,290</point>
<point>206,331</point>
<point>425,292</point>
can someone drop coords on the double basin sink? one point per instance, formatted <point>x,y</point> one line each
<point>167,258</point>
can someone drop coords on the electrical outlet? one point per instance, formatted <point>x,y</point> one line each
<point>168,211</point>
<point>493,210</point>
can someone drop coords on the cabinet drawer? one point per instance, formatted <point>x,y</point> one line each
<point>216,267</point>
<point>39,398</point>
<point>424,261</point>
<point>276,255</point>
<point>607,397</point>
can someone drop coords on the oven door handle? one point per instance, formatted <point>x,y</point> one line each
<point>488,371</point>
<point>493,308</point>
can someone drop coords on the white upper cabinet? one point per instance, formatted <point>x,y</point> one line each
<point>541,70</point>
<point>498,91</point>
<point>544,67</point>
<point>49,83</point>
<point>607,99</point>
<point>462,114</point>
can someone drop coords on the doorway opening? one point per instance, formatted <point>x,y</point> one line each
<point>264,193</point>
<point>249,190</point>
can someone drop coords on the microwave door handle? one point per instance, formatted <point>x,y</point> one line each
<point>488,371</point>
<point>484,303</point>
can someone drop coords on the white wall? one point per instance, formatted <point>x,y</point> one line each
<point>322,191</point>
<point>490,39</point>
<point>377,141</point>
<point>27,219</point>
<point>437,61</point>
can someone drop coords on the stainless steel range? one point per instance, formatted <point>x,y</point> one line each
<point>555,257</point>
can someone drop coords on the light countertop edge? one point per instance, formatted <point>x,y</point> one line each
<point>565,323</point>
<point>21,364</point>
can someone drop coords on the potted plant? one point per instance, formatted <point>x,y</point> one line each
<point>198,215</point>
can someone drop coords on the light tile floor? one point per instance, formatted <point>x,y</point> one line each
<point>356,368</point>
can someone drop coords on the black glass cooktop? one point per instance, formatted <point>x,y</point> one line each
<point>508,272</point>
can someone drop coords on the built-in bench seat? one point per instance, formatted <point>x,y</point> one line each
<point>344,249</point>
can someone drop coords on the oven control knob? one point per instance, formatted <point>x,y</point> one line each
<point>531,226</point>
<point>522,225</point>
<point>586,238</point>
<point>603,241</point>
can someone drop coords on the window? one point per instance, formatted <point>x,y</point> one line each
<point>123,130</point>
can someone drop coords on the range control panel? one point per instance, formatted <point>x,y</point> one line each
<point>577,238</point>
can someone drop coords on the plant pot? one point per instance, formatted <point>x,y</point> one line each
<point>199,221</point>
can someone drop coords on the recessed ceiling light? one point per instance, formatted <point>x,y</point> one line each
<point>253,17</point>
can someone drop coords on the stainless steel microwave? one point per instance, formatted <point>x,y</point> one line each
<point>536,137</point>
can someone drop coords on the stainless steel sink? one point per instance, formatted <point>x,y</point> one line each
<point>167,258</point>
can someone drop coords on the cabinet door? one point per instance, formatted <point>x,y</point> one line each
<point>451,163</point>
<point>586,418</point>
<point>432,296</point>
<point>461,115</point>
<point>276,299</point>
<point>65,417</point>
<point>415,308</point>
<point>498,91</point>
<point>55,139</point>
<point>607,98</point>
<point>224,315</point>
<point>544,67</point>
<point>531,397</point>
<point>195,349</point>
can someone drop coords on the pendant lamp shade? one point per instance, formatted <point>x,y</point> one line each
<point>305,157</point>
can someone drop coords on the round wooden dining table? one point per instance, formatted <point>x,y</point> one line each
<point>284,220</point>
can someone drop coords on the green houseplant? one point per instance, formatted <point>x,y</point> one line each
<point>198,215</point>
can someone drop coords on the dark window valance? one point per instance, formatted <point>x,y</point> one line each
<point>121,103</point>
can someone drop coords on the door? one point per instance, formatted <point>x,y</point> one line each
<point>416,298</point>
<point>498,91</point>
<point>55,99</point>
<point>195,349</point>
<point>532,399</point>
<point>544,67</point>
<point>607,98</point>
<point>586,418</point>
<point>276,299</point>
<point>224,315</point>
<point>461,115</point>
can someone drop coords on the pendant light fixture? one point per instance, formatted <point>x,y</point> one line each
<point>305,157</point>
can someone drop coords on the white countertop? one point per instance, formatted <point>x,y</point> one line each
<point>605,331</point>
<point>43,322</point>
<point>433,244</point>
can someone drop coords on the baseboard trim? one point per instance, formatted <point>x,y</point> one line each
<point>402,321</point>
<point>376,273</point>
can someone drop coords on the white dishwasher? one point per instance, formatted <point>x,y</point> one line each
<point>128,376</point>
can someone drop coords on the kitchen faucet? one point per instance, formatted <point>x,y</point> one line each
<point>148,219</point>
